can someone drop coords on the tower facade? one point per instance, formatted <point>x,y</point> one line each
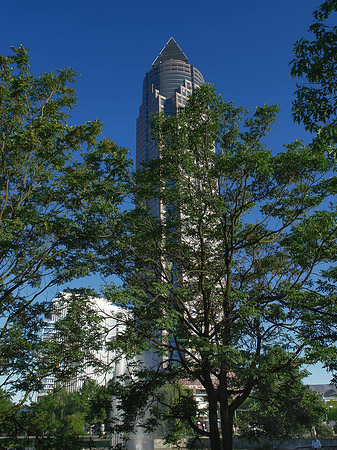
<point>166,88</point>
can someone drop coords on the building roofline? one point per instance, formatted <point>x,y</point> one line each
<point>170,51</point>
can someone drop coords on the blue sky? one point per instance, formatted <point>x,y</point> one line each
<point>244,47</point>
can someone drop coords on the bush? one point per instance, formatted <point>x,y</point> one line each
<point>324,430</point>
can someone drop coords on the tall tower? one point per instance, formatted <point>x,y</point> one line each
<point>165,88</point>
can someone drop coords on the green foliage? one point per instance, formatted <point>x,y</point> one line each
<point>324,430</point>
<point>332,410</point>
<point>281,408</point>
<point>315,65</point>
<point>78,335</point>
<point>58,414</point>
<point>170,413</point>
<point>98,404</point>
<point>235,281</point>
<point>8,426</point>
<point>60,187</point>
<point>58,420</point>
<point>180,410</point>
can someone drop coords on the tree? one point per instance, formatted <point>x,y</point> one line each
<point>324,430</point>
<point>235,281</point>
<point>71,349</point>
<point>315,64</point>
<point>8,426</point>
<point>281,408</point>
<point>58,420</point>
<point>332,410</point>
<point>60,188</point>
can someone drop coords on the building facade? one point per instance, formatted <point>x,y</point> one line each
<point>110,316</point>
<point>166,88</point>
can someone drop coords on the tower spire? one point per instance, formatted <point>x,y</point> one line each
<point>165,89</point>
<point>170,51</point>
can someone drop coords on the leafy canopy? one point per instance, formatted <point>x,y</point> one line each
<point>234,280</point>
<point>60,187</point>
<point>315,65</point>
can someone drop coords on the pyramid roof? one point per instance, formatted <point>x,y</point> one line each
<point>170,51</point>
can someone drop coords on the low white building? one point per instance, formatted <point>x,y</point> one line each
<point>111,320</point>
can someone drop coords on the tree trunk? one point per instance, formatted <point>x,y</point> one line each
<point>226,427</point>
<point>215,441</point>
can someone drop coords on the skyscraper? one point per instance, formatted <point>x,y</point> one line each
<point>165,88</point>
